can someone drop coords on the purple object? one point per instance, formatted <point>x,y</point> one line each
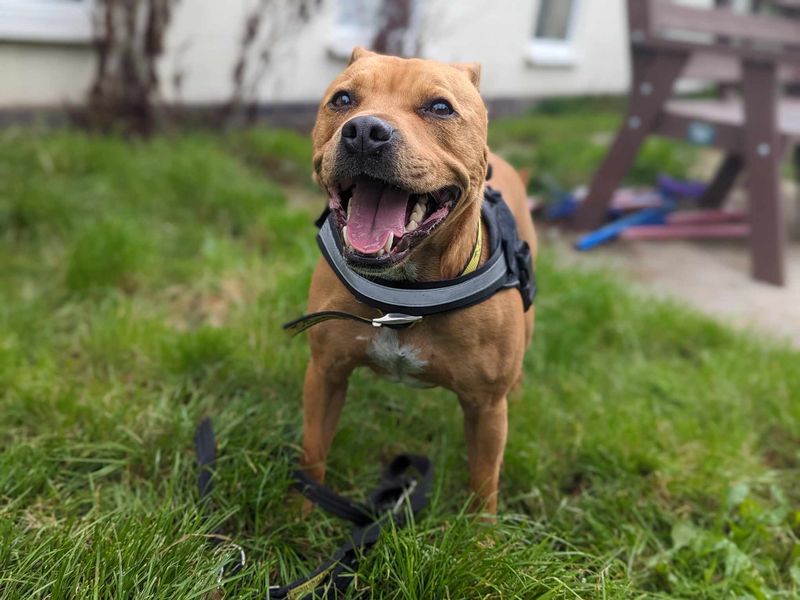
<point>680,189</point>
<point>563,208</point>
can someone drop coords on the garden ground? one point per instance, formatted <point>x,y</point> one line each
<point>653,453</point>
<point>710,276</point>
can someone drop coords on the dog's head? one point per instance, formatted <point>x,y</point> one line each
<point>400,148</point>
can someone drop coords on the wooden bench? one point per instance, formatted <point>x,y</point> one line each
<point>754,127</point>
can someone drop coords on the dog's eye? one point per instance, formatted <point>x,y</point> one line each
<point>341,99</point>
<point>441,108</point>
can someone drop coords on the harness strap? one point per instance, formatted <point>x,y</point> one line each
<point>391,320</point>
<point>205,447</point>
<point>420,299</point>
<point>330,502</point>
<point>475,258</point>
<point>386,504</point>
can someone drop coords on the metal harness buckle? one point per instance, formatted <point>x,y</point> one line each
<point>396,320</point>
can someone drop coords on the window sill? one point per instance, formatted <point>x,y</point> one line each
<point>46,21</point>
<point>551,53</point>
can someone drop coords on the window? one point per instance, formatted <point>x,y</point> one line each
<point>59,21</point>
<point>553,28</point>
<point>356,25</point>
<point>391,24</point>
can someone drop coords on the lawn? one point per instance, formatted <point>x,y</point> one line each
<point>652,452</point>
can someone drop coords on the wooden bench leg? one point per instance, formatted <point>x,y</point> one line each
<point>652,87</point>
<point>796,163</point>
<point>763,161</point>
<point>723,181</point>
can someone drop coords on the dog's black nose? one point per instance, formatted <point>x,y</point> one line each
<point>366,135</point>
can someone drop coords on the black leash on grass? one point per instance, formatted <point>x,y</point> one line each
<point>399,495</point>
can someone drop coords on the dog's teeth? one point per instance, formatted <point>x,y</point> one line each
<point>381,252</point>
<point>388,245</point>
<point>412,225</point>
<point>418,213</point>
<point>344,235</point>
<point>349,209</point>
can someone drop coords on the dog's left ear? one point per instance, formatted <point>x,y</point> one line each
<point>471,70</point>
<point>358,53</point>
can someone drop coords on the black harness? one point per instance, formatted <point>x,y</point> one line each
<point>404,303</point>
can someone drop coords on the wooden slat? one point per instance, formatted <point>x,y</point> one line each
<point>788,56</point>
<point>685,232</point>
<point>726,137</point>
<point>638,18</point>
<point>762,155</point>
<point>725,68</point>
<point>698,217</point>
<point>731,112</point>
<point>666,15</point>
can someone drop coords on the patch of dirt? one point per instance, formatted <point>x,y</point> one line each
<point>711,276</point>
<point>194,307</point>
<point>305,197</point>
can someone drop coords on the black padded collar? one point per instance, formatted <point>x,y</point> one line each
<point>509,266</point>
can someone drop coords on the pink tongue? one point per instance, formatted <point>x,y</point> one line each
<point>377,210</point>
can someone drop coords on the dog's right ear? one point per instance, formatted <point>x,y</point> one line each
<point>359,52</point>
<point>471,70</point>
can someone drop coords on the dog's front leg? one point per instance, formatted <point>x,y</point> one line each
<point>485,429</point>
<point>324,393</point>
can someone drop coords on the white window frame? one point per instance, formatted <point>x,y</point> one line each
<point>47,21</point>
<point>548,52</point>
<point>346,36</point>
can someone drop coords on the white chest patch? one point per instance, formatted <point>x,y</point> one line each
<point>401,362</point>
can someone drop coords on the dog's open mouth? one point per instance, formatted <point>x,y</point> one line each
<point>380,223</point>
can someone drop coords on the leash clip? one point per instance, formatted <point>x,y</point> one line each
<point>396,320</point>
<point>240,564</point>
<point>404,496</point>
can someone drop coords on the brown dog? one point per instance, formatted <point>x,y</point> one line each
<point>400,148</point>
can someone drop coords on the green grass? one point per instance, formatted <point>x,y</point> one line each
<point>652,453</point>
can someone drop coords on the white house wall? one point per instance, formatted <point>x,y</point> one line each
<point>204,42</point>
<point>34,75</point>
